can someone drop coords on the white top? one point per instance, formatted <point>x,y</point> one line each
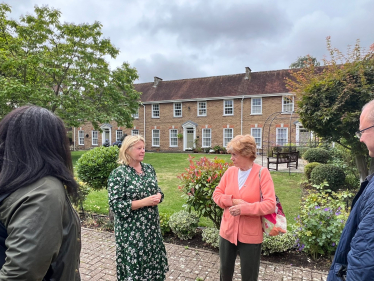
<point>242,177</point>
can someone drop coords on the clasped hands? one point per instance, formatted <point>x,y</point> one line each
<point>235,208</point>
<point>153,200</point>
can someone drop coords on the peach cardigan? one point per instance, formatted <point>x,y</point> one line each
<point>247,227</point>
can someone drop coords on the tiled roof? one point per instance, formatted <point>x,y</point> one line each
<point>259,83</point>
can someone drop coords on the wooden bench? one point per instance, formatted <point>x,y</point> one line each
<point>282,158</point>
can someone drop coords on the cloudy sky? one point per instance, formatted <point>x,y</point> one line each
<point>190,38</point>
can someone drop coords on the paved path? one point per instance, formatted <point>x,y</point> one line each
<point>98,262</point>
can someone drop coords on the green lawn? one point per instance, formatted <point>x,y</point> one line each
<point>169,165</point>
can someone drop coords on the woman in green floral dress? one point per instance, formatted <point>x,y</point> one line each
<point>133,197</point>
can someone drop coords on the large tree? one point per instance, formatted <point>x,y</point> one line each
<point>304,62</point>
<point>62,67</point>
<point>331,97</point>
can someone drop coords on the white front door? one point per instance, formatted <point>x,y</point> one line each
<point>107,136</point>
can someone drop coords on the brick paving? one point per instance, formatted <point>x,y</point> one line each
<point>98,263</point>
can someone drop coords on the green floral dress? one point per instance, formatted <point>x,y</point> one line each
<point>141,254</point>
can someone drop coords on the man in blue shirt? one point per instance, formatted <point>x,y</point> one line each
<point>354,257</point>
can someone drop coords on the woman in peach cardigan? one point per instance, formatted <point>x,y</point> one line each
<point>238,193</point>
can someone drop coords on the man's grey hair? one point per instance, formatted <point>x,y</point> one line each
<point>370,114</point>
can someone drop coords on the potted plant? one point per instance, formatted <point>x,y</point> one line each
<point>217,149</point>
<point>197,150</point>
<point>180,136</point>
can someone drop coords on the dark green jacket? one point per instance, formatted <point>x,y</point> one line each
<point>43,234</point>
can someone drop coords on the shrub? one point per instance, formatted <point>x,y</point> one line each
<point>316,155</point>
<point>321,221</point>
<point>198,184</point>
<point>211,236</point>
<point>83,191</point>
<point>95,166</point>
<point>278,244</point>
<point>302,150</point>
<point>309,168</point>
<point>184,224</point>
<point>289,147</point>
<point>352,182</point>
<point>164,223</point>
<point>333,175</point>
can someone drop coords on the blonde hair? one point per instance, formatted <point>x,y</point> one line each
<point>124,158</point>
<point>245,145</point>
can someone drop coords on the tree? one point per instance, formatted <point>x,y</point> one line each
<point>62,67</point>
<point>305,62</point>
<point>331,97</point>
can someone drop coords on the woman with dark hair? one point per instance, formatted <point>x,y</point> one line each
<point>39,228</point>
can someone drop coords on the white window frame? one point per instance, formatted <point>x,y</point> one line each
<point>80,137</point>
<point>154,138</point>
<point>95,138</point>
<point>173,138</point>
<point>204,138</point>
<point>175,110</point>
<point>136,114</point>
<point>258,143</point>
<point>256,106</point>
<point>277,136</point>
<point>135,132</point>
<point>156,111</point>
<point>225,139</point>
<point>198,108</point>
<point>119,132</point>
<point>286,102</point>
<point>226,106</point>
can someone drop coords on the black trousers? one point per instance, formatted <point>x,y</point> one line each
<point>249,260</point>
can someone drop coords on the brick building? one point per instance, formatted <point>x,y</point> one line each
<point>179,115</point>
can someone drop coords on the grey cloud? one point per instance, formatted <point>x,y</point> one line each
<point>167,68</point>
<point>209,22</point>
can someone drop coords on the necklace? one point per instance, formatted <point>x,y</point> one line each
<point>138,170</point>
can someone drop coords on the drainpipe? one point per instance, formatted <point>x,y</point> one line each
<point>74,140</point>
<point>144,123</point>
<point>241,117</point>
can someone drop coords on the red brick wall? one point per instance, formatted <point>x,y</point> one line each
<point>215,120</point>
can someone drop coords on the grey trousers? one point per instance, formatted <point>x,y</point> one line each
<point>249,260</point>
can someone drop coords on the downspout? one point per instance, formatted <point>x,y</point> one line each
<point>241,117</point>
<point>144,123</point>
<point>74,140</point>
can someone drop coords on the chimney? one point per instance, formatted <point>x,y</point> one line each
<point>247,73</point>
<point>156,81</point>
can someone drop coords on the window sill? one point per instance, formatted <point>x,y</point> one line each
<point>177,116</point>
<point>288,113</point>
<point>256,114</point>
<point>227,115</point>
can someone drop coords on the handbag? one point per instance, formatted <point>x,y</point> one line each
<point>275,223</point>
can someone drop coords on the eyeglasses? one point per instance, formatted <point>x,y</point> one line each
<point>359,133</point>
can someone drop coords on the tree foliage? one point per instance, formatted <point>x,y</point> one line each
<point>62,67</point>
<point>305,62</point>
<point>331,97</point>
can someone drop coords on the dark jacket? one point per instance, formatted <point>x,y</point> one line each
<point>355,251</point>
<point>43,234</point>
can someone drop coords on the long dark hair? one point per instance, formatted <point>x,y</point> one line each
<point>33,145</point>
